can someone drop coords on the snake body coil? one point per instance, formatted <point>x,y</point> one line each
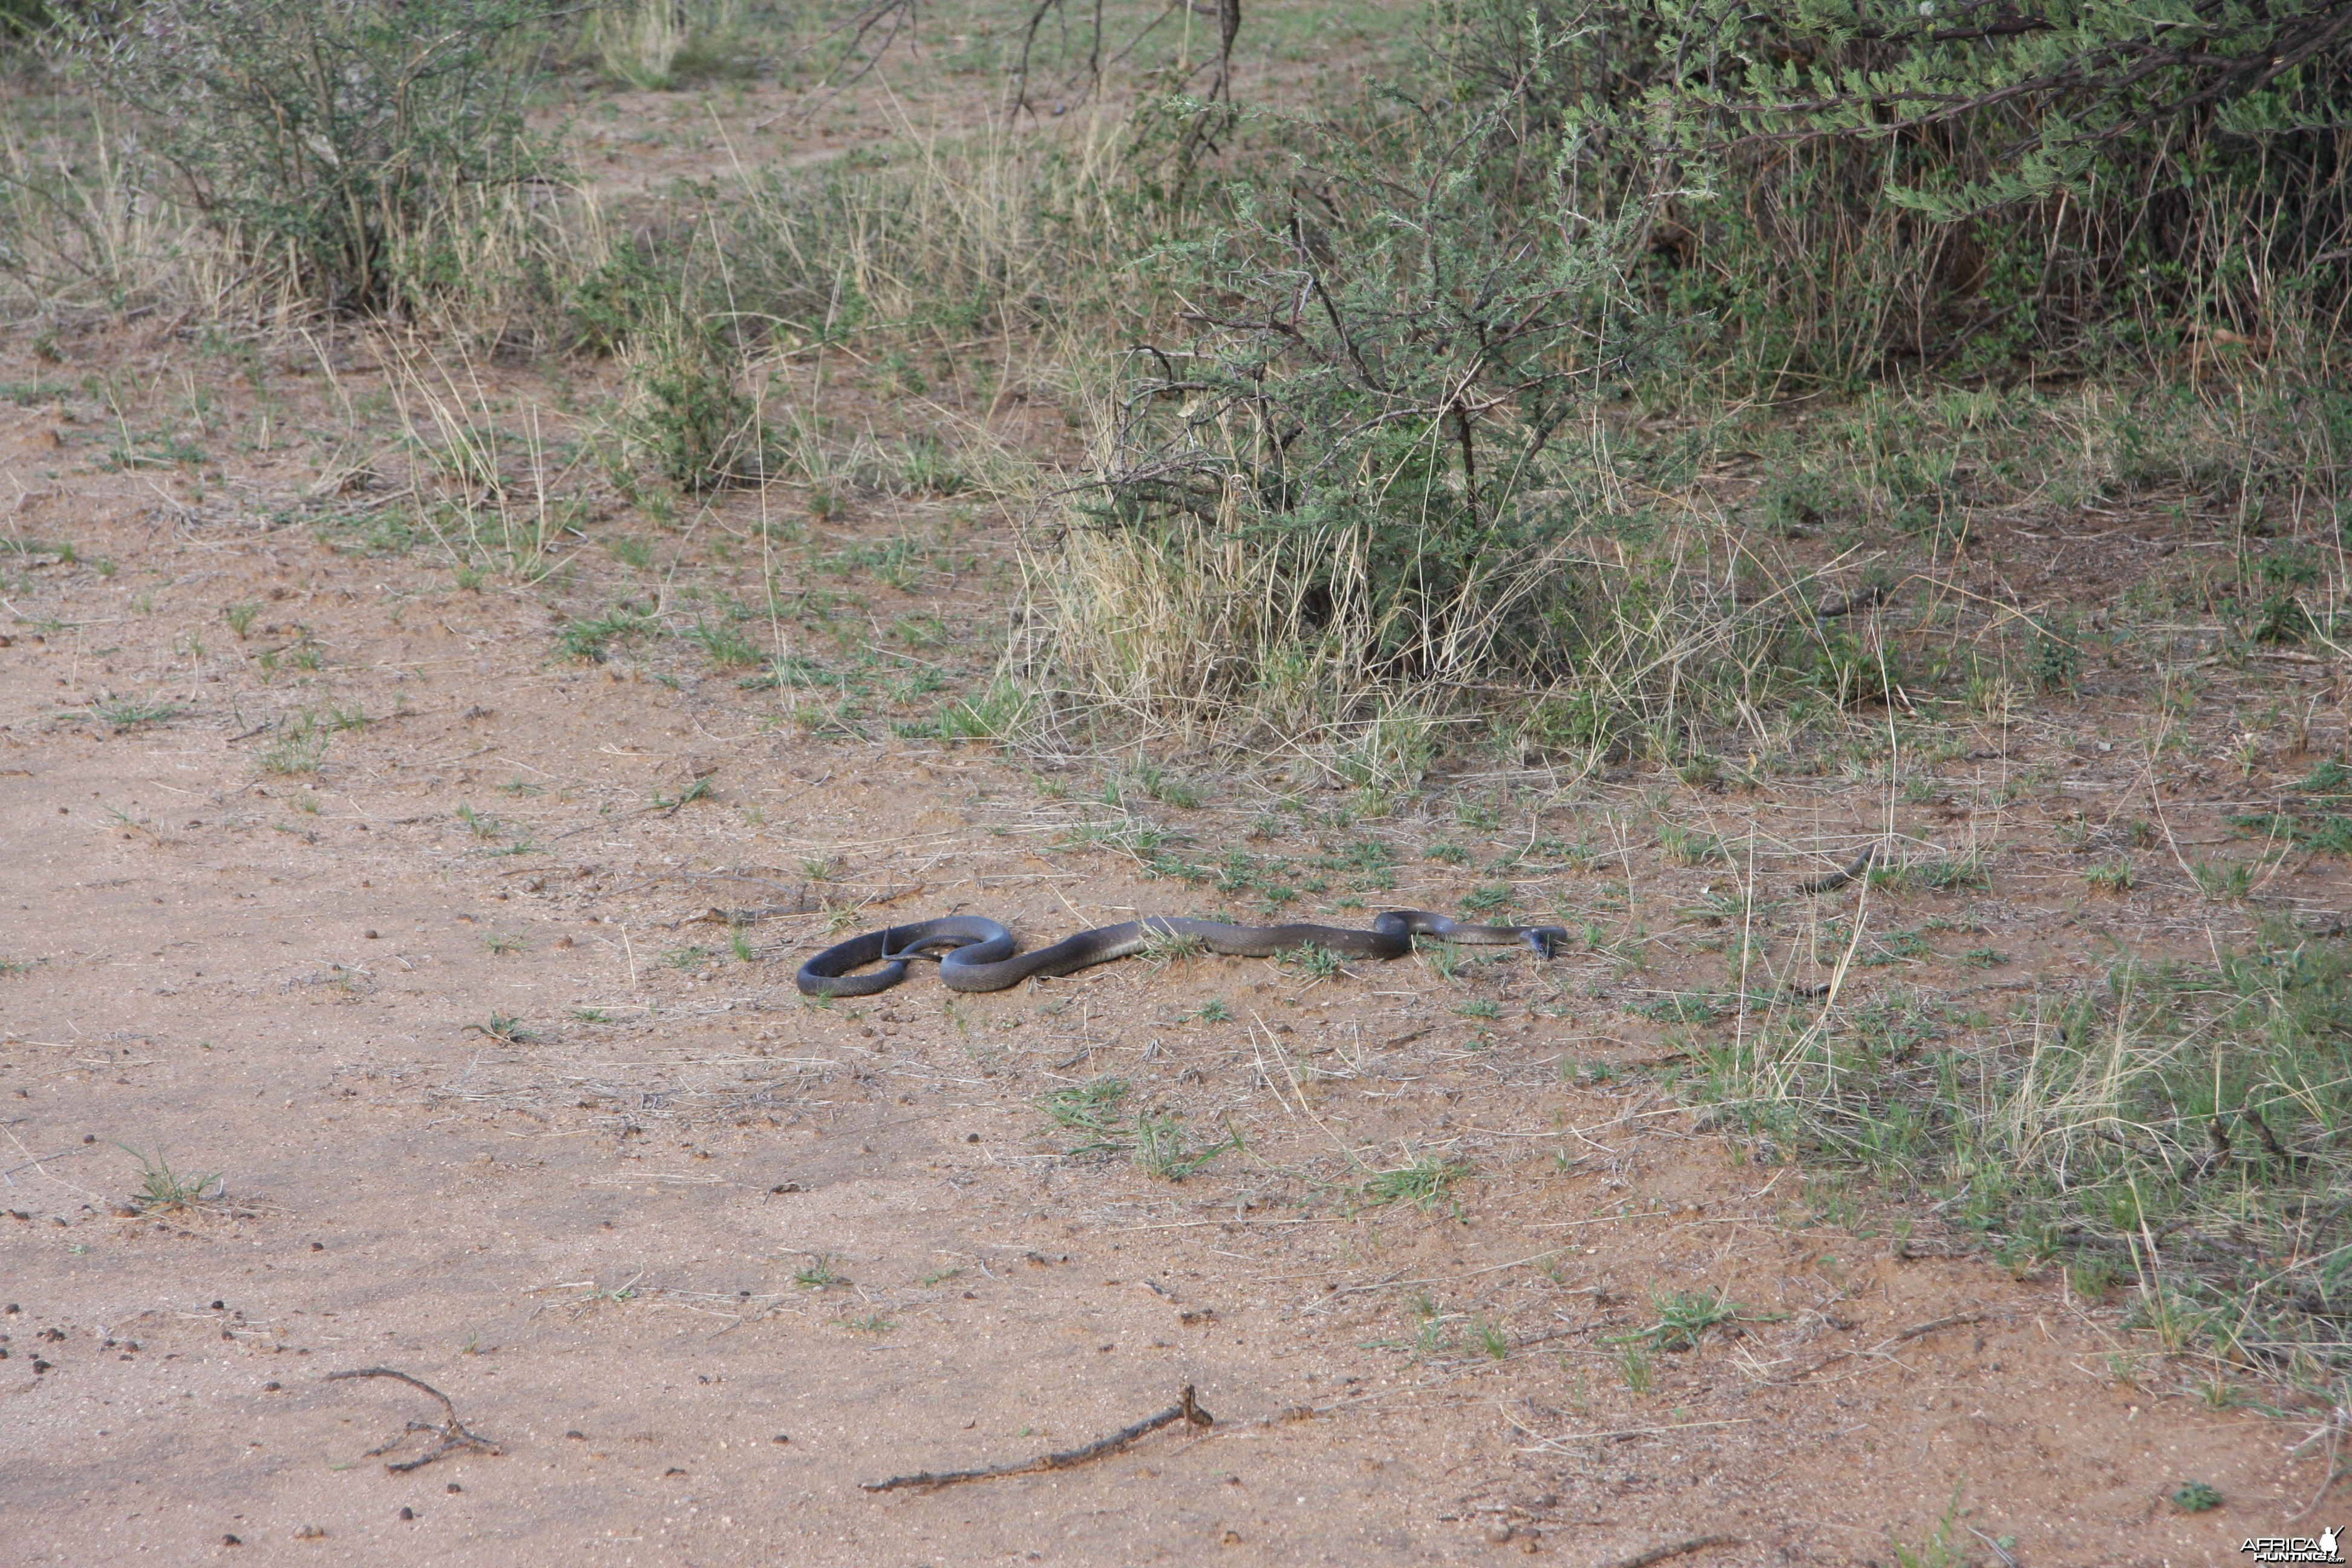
<point>977,954</point>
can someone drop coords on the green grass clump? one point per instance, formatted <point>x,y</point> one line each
<point>161,1187</point>
<point>1161,1148</point>
<point>591,639</point>
<point>299,747</point>
<point>1309,961</point>
<point>1093,1109</point>
<point>1943,874</point>
<point>1098,1113</point>
<point>724,645</point>
<point>2324,824</point>
<point>127,713</point>
<point>1424,1183</point>
<point>2196,1496</point>
<point>1684,1318</point>
<point>819,1274</point>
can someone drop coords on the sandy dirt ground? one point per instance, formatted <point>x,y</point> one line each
<point>484,1021</point>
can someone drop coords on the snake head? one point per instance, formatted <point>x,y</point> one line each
<point>1549,942</point>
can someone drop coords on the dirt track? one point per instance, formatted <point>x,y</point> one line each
<point>700,1258</point>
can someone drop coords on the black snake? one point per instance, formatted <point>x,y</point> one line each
<point>978,954</point>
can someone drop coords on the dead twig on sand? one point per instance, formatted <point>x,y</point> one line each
<point>1916,1331</point>
<point>455,1438</point>
<point>1674,1549</point>
<point>1186,1408</point>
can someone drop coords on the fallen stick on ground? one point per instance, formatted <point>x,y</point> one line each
<point>1915,1331</point>
<point>1186,1408</point>
<point>454,1436</point>
<point>1660,1553</point>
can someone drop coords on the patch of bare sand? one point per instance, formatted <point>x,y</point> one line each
<point>701,1258</point>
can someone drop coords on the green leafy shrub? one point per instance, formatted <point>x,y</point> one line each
<point>700,425</point>
<point>1848,186</point>
<point>335,142</point>
<point>1334,495</point>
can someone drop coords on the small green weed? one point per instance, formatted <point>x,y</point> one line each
<point>1941,875</point>
<point>724,645</point>
<point>1163,946</point>
<point>592,639</point>
<point>1944,1548</point>
<point>161,1187</point>
<point>1490,899</point>
<point>2111,877</point>
<point>1679,845</point>
<point>297,749</point>
<point>2225,881</point>
<point>1445,960</point>
<point>1683,1317</point>
<point>2056,661</point>
<point>819,1274</point>
<point>1425,1182</point>
<point>1093,1111</point>
<point>125,713</point>
<point>2329,832</point>
<point>1159,1148</point>
<point>1310,961</point>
